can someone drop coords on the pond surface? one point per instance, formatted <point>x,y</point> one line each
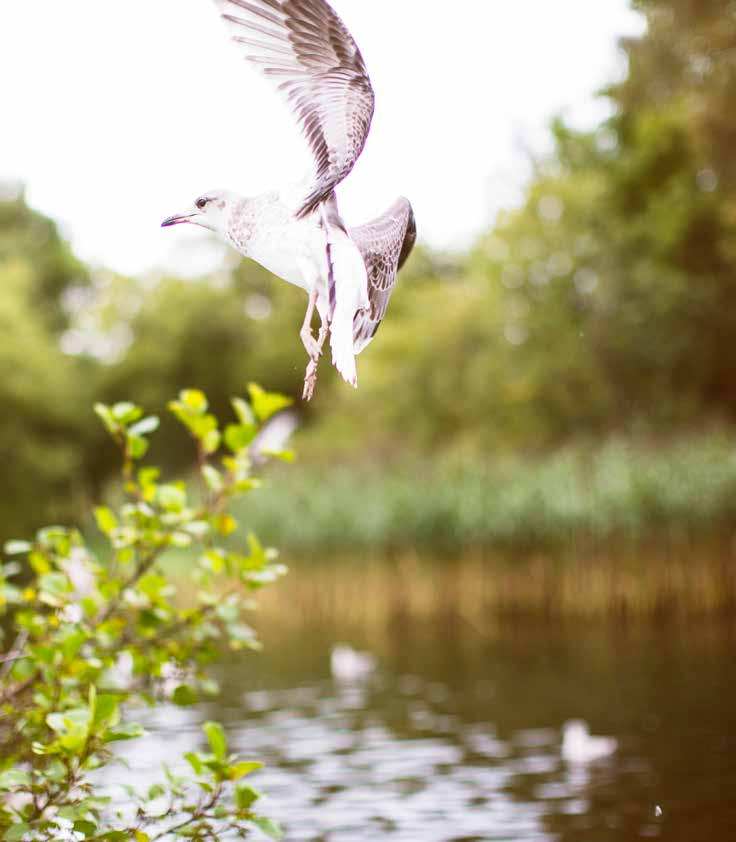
<point>455,735</point>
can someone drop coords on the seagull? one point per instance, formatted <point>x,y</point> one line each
<point>305,50</point>
<point>579,747</point>
<point>349,666</point>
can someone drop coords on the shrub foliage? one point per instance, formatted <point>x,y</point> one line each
<point>93,634</point>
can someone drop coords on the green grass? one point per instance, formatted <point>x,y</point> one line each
<point>578,500</point>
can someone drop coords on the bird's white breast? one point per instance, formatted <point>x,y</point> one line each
<point>266,230</point>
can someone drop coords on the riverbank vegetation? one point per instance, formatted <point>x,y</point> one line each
<point>578,500</point>
<point>89,636</point>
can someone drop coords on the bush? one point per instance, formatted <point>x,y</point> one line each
<point>94,633</point>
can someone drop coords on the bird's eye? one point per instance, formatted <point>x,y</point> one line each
<point>201,204</point>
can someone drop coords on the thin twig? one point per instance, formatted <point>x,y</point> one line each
<point>15,654</point>
<point>142,569</point>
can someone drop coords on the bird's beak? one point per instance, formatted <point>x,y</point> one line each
<point>178,220</point>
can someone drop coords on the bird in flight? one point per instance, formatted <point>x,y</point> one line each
<point>297,232</point>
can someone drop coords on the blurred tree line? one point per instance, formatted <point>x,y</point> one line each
<point>605,303</point>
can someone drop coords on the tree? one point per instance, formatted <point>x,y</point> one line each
<point>42,431</point>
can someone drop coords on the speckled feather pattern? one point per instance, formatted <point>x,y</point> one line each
<point>385,244</point>
<point>242,224</point>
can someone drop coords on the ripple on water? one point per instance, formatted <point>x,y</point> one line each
<point>408,757</point>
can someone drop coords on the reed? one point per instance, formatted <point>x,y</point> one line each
<point>616,533</point>
<point>579,501</point>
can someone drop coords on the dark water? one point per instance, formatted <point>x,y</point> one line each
<point>456,735</point>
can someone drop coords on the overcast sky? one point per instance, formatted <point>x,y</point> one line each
<point>116,115</point>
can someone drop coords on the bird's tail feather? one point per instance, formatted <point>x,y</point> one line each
<point>347,293</point>
<point>341,342</point>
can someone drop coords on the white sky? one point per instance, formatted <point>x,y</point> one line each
<point>118,114</point>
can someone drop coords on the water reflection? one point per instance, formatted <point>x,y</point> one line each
<point>453,738</point>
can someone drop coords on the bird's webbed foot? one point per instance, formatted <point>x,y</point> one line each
<point>310,381</point>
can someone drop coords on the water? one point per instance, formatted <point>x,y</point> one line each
<point>456,735</point>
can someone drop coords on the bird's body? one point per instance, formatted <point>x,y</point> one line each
<point>297,232</point>
<point>348,666</point>
<point>579,747</point>
<point>265,229</point>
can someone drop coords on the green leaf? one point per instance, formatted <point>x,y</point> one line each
<point>243,768</point>
<point>17,547</point>
<point>239,436</point>
<point>138,446</point>
<point>171,497</point>
<point>245,796</point>
<point>54,588</point>
<point>195,761</point>
<point>12,778</point>
<point>71,726</point>
<point>213,478</point>
<point>216,736</point>
<point>154,586</point>
<point>244,412</point>
<point>211,441</point>
<point>126,731</point>
<point>16,832</point>
<point>107,710</point>
<point>184,696</point>
<point>86,827</point>
<point>287,456</point>
<point>266,404</point>
<point>54,538</point>
<point>146,426</point>
<point>241,636</point>
<point>147,477</point>
<point>56,771</point>
<point>106,520</point>
<point>194,400</point>
<point>126,413</point>
<point>39,563</point>
<point>213,560</point>
<point>198,528</point>
<point>271,828</point>
<point>243,486</point>
<point>67,720</point>
<point>108,419</point>
<point>156,791</point>
<point>226,524</point>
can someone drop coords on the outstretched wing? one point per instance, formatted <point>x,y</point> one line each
<point>304,48</point>
<point>385,244</point>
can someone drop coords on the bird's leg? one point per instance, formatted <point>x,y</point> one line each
<point>310,381</point>
<point>310,343</point>
<point>323,332</point>
<point>313,348</point>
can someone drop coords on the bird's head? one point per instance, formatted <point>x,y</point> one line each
<point>211,211</point>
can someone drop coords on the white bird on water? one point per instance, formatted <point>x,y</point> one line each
<point>350,666</point>
<point>579,747</point>
<point>297,233</point>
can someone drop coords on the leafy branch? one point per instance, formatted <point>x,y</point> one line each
<point>93,632</point>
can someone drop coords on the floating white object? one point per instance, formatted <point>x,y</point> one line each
<point>578,746</point>
<point>348,665</point>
